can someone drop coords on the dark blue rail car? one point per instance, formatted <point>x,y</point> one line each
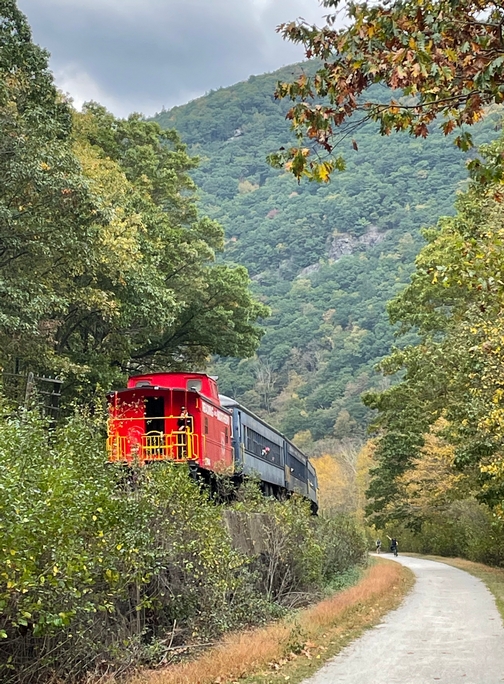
<point>261,450</point>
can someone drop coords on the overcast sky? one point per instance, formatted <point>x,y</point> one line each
<point>142,55</point>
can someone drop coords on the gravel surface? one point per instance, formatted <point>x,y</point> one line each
<point>447,630</point>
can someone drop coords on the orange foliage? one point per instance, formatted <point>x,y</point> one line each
<point>432,483</point>
<point>343,475</point>
<point>336,485</point>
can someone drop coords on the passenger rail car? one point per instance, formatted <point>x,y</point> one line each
<point>181,417</point>
<point>261,449</point>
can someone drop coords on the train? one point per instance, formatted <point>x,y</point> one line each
<point>182,418</point>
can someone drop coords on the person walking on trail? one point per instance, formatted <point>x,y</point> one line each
<point>378,546</point>
<point>394,546</point>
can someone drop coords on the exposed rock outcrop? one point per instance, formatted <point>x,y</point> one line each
<point>312,268</point>
<point>343,244</point>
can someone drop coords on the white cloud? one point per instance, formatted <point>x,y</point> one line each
<point>75,82</point>
<point>143,54</point>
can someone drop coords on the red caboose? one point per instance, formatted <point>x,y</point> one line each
<point>170,417</point>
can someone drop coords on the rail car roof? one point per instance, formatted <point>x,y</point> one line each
<point>196,382</point>
<point>228,401</point>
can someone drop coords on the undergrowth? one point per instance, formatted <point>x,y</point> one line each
<point>294,648</point>
<point>104,569</point>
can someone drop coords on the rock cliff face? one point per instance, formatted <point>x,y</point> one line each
<point>344,244</point>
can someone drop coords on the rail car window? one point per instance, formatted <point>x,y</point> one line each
<point>262,447</point>
<point>226,432</point>
<point>206,425</point>
<point>296,453</point>
<point>194,384</point>
<point>297,468</point>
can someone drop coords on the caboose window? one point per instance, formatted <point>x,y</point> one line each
<point>206,425</point>
<point>227,435</point>
<point>194,384</point>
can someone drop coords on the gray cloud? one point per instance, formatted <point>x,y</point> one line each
<point>141,55</point>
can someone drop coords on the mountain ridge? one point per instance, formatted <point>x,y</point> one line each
<point>329,326</point>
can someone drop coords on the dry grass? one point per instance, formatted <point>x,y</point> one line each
<point>236,656</point>
<point>378,580</point>
<point>295,648</point>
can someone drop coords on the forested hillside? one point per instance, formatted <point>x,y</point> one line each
<point>325,258</point>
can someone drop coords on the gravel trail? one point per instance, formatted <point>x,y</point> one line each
<point>447,630</point>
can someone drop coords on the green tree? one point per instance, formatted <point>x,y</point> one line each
<point>47,213</point>
<point>454,371</point>
<point>105,264</point>
<point>173,306</point>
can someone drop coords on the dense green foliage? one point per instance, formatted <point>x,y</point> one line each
<point>329,325</point>
<point>454,371</point>
<point>47,214</point>
<point>465,529</point>
<point>173,306</point>
<point>105,263</point>
<point>99,564</point>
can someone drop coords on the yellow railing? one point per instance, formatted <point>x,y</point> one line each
<point>178,446</point>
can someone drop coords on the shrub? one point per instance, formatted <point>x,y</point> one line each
<point>99,563</point>
<point>93,563</point>
<point>302,554</point>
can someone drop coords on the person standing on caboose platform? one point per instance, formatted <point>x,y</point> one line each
<point>184,427</point>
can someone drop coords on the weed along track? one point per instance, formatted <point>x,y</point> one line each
<point>297,646</point>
